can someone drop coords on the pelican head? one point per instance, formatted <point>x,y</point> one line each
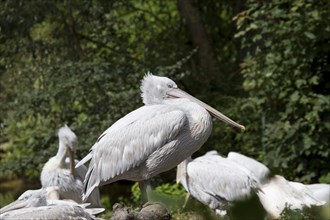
<point>30,198</point>
<point>69,140</point>
<point>155,89</point>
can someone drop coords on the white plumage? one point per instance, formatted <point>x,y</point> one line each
<point>259,170</point>
<point>43,204</point>
<point>216,181</point>
<point>59,170</point>
<point>152,139</point>
<point>276,192</point>
<point>68,212</point>
<point>30,198</point>
<point>321,191</point>
<point>279,193</point>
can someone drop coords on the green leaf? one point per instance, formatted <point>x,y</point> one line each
<point>310,35</point>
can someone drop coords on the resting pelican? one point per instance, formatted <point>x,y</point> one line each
<point>60,171</point>
<point>64,211</point>
<point>44,204</point>
<point>33,198</point>
<point>154,138</point>
<point>30,198</point>
<point>279,193</point>
<point>216,181</point>
<point>259,170</point>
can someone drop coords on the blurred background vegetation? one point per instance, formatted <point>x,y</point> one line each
<point>265,64</point>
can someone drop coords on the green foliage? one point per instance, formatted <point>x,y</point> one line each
<point>80,63</point>
<point>171,190</point>
<point>171,195</point>
<point>313,213</point>
<point>75,63</point>
<point>285,73</point>
<point>325,178</point>
<point>136,193</point>
<point>5,199</point>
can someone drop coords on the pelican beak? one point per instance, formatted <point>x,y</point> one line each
<point>72,164</point>
<point>18,204</point>
<point>178,93</point>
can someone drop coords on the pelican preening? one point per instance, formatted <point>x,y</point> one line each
<point>154,138</point>
<point>216,181</point>
<point>44,204</point>
<point>60,170</point>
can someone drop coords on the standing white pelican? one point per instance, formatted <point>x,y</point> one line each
<point>60,171</point>
<point>216,181</point>
<point>44,204</point>
<point>154,138</point>
<point>279,193</point>
<point>259,170</point>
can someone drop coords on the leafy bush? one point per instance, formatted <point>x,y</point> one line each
<point>285,72</point>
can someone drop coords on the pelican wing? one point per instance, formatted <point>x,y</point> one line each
<point>220,178</point>
<point>259,170</point>
<point>320,191</point>
<point>80,173</point>
<point>129,142</point>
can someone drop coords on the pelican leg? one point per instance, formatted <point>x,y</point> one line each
<point>185,201</point>
<point>145,188</point>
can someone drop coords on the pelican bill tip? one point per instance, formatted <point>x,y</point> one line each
<point>239,128</point>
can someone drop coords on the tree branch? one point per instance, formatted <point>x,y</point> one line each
<point>200,38</point>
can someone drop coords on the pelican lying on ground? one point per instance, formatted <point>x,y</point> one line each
<point>60,211</point>
<point>30,198</point>
<point>216,181</point>
<point>60,171</point>
<point>44,204</point>
<point>154,138</point>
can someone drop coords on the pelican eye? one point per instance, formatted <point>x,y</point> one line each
<point>170,85</point>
